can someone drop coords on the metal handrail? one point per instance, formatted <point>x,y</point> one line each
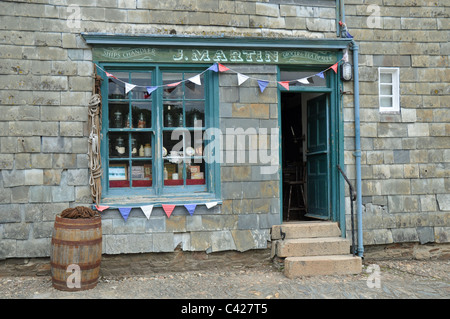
<point>352,198</point>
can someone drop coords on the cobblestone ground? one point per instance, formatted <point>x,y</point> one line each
<point>395,279</point>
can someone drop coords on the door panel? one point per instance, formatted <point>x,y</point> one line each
<point>318,183</point>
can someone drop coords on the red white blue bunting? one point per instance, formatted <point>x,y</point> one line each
<point>148,209</point>
<point>218,67</point>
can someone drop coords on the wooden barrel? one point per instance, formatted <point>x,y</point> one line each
<point>76,252</point>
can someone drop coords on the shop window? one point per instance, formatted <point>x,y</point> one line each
<point>388,89</point>
<point>155,141</point>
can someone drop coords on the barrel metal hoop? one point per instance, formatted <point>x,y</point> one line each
<point>82,266</point>
<point>77,242</point>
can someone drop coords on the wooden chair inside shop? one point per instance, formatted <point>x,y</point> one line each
<point>294,178</point>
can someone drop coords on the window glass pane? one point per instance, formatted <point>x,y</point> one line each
<point>118,174</point>
<point>173,172</point>
<point>195,113</point>
<point>172,92</point>
<point>141,114</point>
<point>386,101</point>
<point>195,172</point>
<point>192,90</point>
<point>118,114</point>
<point>118,145</point>
<point>173,114</point>
<point>386,77</point>
<point>297,75</point>
<point>175,141</point>
<point>141,145</point>
<point>141,173</point>
<point>140,79</point>
<point>386,89</point>
<point>116,89</point>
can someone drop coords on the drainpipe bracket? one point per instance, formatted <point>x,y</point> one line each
<point>357,153</point>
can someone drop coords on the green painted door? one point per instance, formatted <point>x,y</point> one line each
<point>318,177</point>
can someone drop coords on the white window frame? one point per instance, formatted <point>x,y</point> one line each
<point>395,72</point>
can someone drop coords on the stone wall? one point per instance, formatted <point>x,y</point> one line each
<point>46,81</point>
<point>405,156</point>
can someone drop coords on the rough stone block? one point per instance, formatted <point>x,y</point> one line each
<point>201,241</point>
<point>222,240</point>
<point>248,221</point>
<point>443,201</point>
<point>426,234</point>
<point>37,247</point>
<point>40,194</point>
<point>163,242</point>
<point>402,235</point>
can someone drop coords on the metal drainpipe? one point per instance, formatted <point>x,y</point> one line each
<point>354,47</point>
<point>357,150</point>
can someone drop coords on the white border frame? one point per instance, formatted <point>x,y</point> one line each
<point>395,90</point>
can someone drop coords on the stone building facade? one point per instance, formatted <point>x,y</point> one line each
<point>47,79</point>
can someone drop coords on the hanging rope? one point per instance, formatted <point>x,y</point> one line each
<point>95,164</point>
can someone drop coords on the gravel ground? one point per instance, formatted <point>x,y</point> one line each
<point>398,280</point>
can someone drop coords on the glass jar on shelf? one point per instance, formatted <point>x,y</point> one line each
<point>118,119</point>
<point>134,149</point>
<point>120,146</point>
<point>141,122</point>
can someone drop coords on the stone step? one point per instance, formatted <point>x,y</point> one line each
<point>322,265</point>
<point>300,247</point>
<point>306,229</point>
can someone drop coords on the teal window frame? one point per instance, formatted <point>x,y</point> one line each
<point>158,193</point>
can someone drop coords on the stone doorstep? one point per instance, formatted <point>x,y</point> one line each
<point>322,265</point>
<point>312,247</point>
<point>306,229</point>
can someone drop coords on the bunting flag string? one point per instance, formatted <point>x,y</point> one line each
<point>218,67</point>
<point>148,209</point>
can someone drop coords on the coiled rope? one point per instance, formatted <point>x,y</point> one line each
<point>95,164</point>
<point>79,212</point>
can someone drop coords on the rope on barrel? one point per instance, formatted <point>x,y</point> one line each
<point>79,212</point>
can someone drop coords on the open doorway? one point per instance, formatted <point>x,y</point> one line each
<point>305,155</point>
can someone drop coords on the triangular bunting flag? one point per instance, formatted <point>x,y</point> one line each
<point>303,81</point>
<point>284,84</point>
<point>101,208</point>
<point>320,75</point>
<point>125,211</point>
<point>110,75</point>
<point>214,68</point>
<point>241,78</point>
<point>150,89</point>
<point>334,67</point>
<point>190,208</point>
<point>262,85</point>
<point>349,35</point>
<point>212,204</point>
<point>196,79</point>
<point>310,80</point>
<point>147,210</point>
<point>222,68</point>
<point>129,87</point>
<point>173,84</point>
<point>168,209</point>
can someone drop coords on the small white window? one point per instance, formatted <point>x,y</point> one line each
<point>388,89</point>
